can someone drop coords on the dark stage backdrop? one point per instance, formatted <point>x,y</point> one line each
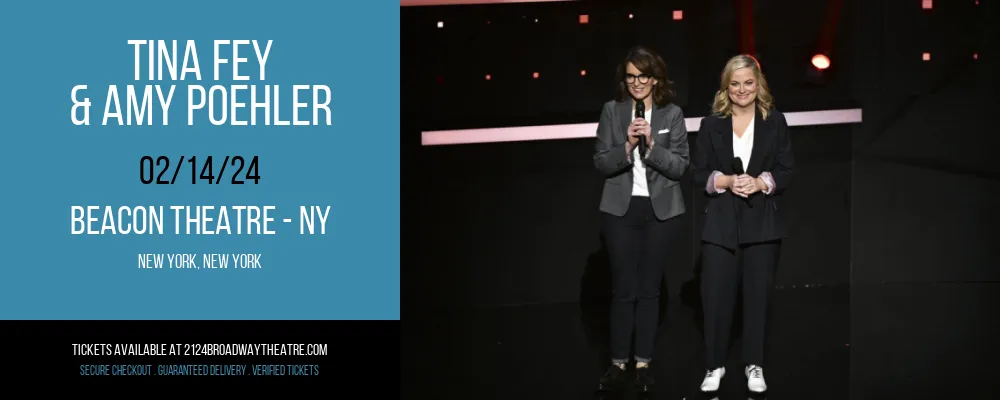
<point>925,172</point>
<point>517,223</point>
<point>924,202</point>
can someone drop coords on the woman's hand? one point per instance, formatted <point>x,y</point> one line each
<point>646,131</point>
<point>735,184</point>
<point>639,128</point>
<point>746,185</point>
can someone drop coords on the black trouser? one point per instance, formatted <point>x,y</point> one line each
<point>638,245</point>
<point>721,273</point>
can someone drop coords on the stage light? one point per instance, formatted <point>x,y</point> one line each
<point>630,16</point>
<point>440,24</point>
<point>488,77</point>
<point>584,18</point>
<point>678,15</point>
<point>821,61</point>
<point>583,72</point>
<point>536,20</point>
<point>927,56</point>
<point>534,75</point>
<point>928,4</point>
<point>975,56</point>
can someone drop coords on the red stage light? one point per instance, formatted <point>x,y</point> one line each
<point>821,61</point>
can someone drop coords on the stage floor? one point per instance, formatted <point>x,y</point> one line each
<point>559,351</point>
<point>914,340</point>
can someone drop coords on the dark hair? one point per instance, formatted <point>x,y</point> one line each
<point>649,63</point>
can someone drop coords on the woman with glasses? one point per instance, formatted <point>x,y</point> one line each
<point>742,164</point>
<point>642,153</point>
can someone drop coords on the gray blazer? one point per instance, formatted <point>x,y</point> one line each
<point>665,165</point>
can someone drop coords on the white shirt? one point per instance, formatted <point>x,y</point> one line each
<point>743,146</point>
<point>639,184</point>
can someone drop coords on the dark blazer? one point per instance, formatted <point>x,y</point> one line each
<point>665,165</point>
<point>731,220</point>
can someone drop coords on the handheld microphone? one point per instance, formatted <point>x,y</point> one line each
<point>738,168</point>
<point>640,112</point>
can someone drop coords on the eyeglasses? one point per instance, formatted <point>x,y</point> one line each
<point>643,79</point>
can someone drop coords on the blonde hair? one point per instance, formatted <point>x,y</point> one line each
<point>723,106</point>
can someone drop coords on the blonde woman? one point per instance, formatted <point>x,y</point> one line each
<point>742,163</point>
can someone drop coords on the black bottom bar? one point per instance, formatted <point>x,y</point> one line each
<point>296,353</point>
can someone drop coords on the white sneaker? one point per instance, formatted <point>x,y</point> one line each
<point>755,379</point>
<point>712,379</point>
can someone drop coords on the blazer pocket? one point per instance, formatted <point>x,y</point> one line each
<point>663,131</point>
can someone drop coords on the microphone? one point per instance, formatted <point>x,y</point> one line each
<point>640,112</point>
<point>738,168</point>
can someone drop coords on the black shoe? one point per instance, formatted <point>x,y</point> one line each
<point>644,380</point>
<point>612,380</point>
